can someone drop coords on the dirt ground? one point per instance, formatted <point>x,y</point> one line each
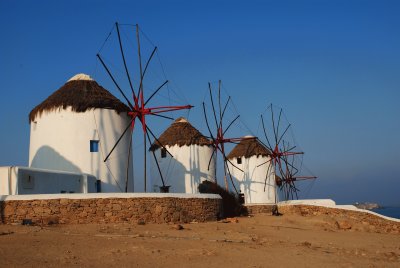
<point>259,241</point>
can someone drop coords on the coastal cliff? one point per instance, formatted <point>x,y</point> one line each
<point>367,205</point>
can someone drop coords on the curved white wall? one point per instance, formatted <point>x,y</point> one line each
<point>252,180</point>
<point>185,171</point>
<point>60,140</point>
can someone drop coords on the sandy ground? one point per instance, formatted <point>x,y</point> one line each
<point>259,241</point>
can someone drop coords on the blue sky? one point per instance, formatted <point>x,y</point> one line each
<point>331,65</point>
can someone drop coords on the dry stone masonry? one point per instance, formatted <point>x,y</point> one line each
<point>346,219</point>
<point>110,210</point>
<point>257,209</point>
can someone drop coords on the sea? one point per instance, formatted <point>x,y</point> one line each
<point>393,212</point>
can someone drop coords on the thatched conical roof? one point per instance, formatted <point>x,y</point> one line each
<point>248,147</point>
<point>180,133</point>
<point>81,93</point>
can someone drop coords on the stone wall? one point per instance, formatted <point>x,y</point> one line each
<point>346,219</point>
<point>110,210</point>
<point>256,209</point>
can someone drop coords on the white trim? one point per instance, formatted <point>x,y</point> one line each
<point>315,202</point>
<point>106,195</point>
<point>259,204</point>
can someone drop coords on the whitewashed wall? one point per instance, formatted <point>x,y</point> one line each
<point>60,140</point>
<point>252,180</point>
<point>24,180</point>
<point>185,171</point>
<point>5,180</point>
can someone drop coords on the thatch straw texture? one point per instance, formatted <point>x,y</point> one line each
<point>248,147</point>
<point>80,95</point>
<point>180,133</point>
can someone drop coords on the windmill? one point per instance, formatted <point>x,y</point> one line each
<point>138,105</point>
<point>218,136</point>
<point>285,159</point>
<point>292,175</point>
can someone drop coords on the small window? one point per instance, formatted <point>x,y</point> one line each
<point>239,160</point>
<point>163,153</point>
<point>94,146</point>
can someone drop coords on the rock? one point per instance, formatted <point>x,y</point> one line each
<point>304,212</point>
<point>117,207</point>
<point>158,210</point>
<point>178,227</point>
<point>83,214</point>
<point>233,220</point>
<point>6,233</point>
<point>175,216</point>
<point>64,201</point>
<point>50,220</point>
<point>21,211</point>
<point>108,214</point>
<point>391,256</point>
<point>343,225</point>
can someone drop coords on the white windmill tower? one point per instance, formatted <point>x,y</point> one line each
<point>183,156</point>
<point>75,127</point>
<point>257,182</point>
